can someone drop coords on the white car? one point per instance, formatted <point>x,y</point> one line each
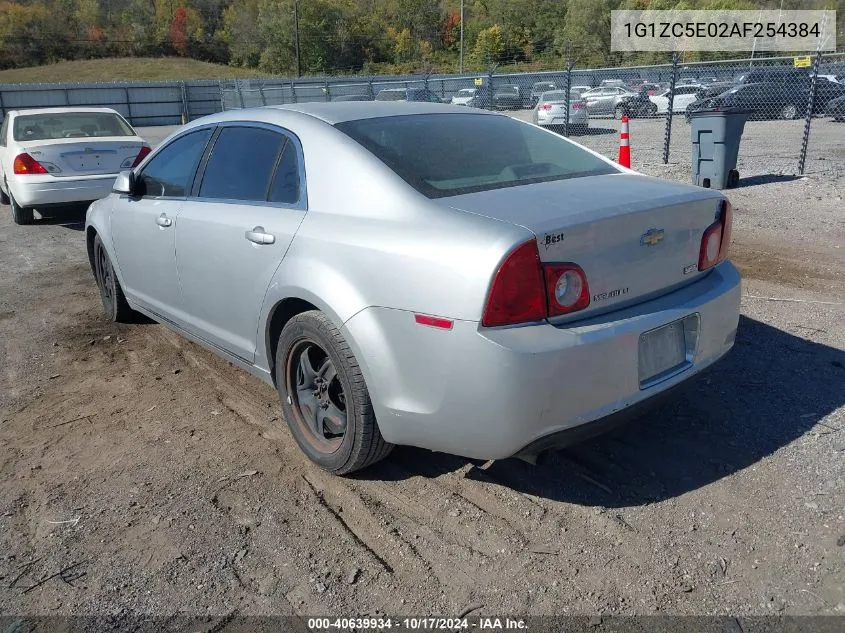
<point>551,110</point>
<point>58,156</point>
<point>464,96</point>
<point>684,95</point>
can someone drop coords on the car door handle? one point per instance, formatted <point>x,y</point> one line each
<point>163,220</point>
<point>258,236</point>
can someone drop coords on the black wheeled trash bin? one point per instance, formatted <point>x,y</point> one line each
<point>715,146</point>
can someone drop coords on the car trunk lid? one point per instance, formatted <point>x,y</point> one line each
<point>635,237</point>
<point>76,157</point>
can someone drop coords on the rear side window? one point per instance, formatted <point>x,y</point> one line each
<point>450,154</point>
<point>242,163</point>
<point>171,171</point>
<point>285,188</point>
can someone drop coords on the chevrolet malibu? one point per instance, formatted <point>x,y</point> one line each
<point>57,156</point>
<point>421,274</point>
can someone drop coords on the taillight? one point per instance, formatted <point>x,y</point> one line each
<point>566,288</point>
<point>145,149</point>
<point>517,293</point>
<point>26,164</point>
<point>546,106</point>
<point>716,238</point>
<point>524,289</point>
<point>579,105</point>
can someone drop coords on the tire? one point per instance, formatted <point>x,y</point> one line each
<point>115,306</point>
<point>4,199</point>
<point>20,215</point>
<point>652,110</point>
<point>733,179</point>
<point>316,371</point>
<point>789,111</point>
<point>618,112</point>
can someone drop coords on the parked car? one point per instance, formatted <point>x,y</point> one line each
<point>464,96</point>
<point>763,100</point>
<point>613,83</point>
<point>606,100</point>
<point>552,107</point>
<point>836,109</point>
<point>408,94</point>
<point>58,156</point>
<point>773,74</point>
<point>681,98</point>
<point>407,274</point>
<point>358,97</point>
<point>638,105</point>
<point>581,89</point>
<point>539,88</point>
<point>509,98</point>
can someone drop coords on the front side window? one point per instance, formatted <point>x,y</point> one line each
<point>241,164</point>
<point>40,127</point>
<point>171,171</point>
<point>451,154</point>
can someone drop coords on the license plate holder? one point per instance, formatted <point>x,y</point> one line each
<point>667,350</point>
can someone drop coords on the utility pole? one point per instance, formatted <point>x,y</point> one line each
<point>462,37</point>
<point>296,35</point>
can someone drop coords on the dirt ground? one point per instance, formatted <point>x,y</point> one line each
<point>160,479</point>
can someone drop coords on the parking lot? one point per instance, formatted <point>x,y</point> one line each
<point>160,479</point>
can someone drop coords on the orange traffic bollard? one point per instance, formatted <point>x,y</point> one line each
<point>624,145</point>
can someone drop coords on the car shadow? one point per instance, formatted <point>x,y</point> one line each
<point>70,217</point>
<point>596,131</point>
<point>771,389</point>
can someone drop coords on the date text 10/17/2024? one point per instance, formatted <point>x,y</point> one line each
<point>415,624</point>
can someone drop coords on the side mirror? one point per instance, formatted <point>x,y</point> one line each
<point>124,183</point>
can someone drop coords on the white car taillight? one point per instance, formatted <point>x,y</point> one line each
<point>716,238</point>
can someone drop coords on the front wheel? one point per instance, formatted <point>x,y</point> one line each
<point>115,306</point>
<point>20,215</point>
<point>324,397</point>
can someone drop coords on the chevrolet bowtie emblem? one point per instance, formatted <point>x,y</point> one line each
<point>651,237</point>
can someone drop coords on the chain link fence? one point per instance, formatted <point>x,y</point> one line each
<point>796,106</point>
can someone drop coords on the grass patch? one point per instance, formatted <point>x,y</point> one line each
<point>125,69</point>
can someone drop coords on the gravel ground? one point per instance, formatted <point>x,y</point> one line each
<point>168,477</point>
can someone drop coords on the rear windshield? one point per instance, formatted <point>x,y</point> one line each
<point>443,155</point>
<point>39,127</point>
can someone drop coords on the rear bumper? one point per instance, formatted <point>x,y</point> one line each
<point>32,191</point>
<point>492,393</point>
<point>578,117</point>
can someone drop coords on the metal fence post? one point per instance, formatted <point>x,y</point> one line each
<point>569,66</point>
<point>671,96</point>
<point>292,91</point>
<point>489,89</point>
<point>2,109</point>
<point>186,110</point>
<point>222,96</point>
<point>261,94</point>
<point>240,94</point>
<point>326,89</point>
<point>805,141</point>
<point>370,89</point>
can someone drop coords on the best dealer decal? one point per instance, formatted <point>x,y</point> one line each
<point>552,238</point>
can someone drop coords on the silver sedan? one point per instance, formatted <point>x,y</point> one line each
<point>421,274</point>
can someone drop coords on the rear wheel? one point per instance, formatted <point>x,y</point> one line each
<point>789,111</point>
<point>115,306</point>
<point>324,397</point>
<point>4,199</point>
<point>619,112</point>
<point>652,110</point>
<point>20,215</point>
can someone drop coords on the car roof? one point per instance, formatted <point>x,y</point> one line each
<point>82,110</point>
<point>339,111</point>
